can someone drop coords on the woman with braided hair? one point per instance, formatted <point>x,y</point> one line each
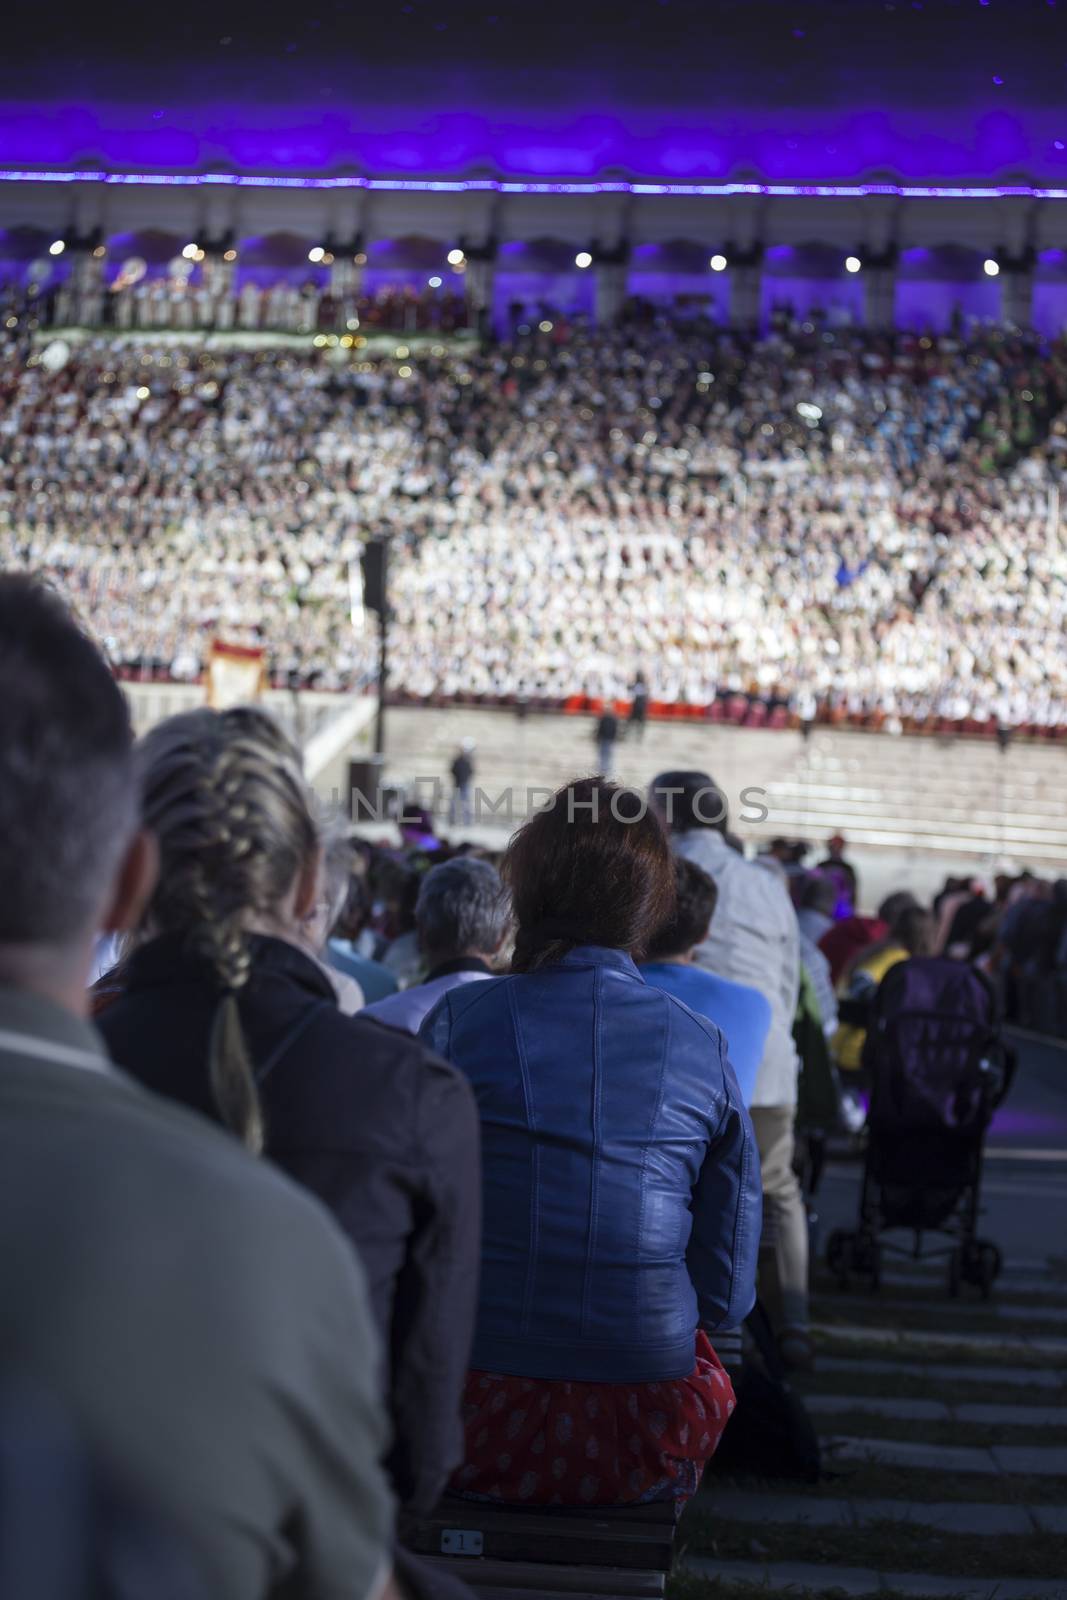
<point>222,1006</point>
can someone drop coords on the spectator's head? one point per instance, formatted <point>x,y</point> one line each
<point>688,800</point>
<point>594,867</point>
<point>73,863</point>
<point>818,891</point>
<point>336,865</point>
<point>914,929</point>
<point>694,907</point>
<point>462,910</point>
<point>355,913</point>
<point>894,907</point>
<point>239,854</point>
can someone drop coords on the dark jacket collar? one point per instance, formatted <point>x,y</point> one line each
<point>168,960</point>
<point>445,969</point>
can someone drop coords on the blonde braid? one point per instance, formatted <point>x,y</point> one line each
<point>225,796</point>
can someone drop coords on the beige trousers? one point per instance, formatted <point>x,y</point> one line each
<point>784,1247</point>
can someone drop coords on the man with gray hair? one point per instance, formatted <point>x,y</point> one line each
<point>461,921</point>
<point>200,1322</point>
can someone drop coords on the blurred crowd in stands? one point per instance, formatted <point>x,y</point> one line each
<point>821,523</point>
<point>176,305</point>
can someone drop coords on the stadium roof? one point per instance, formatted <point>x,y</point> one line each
<point>959,93</point>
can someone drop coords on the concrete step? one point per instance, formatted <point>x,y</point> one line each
<point>1030,1378</point>
<point>904,796</point>
<point>764,1507</point>
<point>797,1578</point>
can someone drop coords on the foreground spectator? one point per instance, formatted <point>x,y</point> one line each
<point>200,1320</point>
<point>222,1009</point>
<point>754,940</point>
<point>461,922</point>
<point>739,1011</point>
<point>621,1185</point>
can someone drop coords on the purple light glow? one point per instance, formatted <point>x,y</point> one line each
<point>845,191</point>
<point>441,146</point>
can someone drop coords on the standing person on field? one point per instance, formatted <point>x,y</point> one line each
<point>638,707</point>
<point>462,770</point>
<point>607,734</point>
<point>754,939</point>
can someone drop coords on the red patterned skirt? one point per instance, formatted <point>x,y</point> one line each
<point>547,1442</point>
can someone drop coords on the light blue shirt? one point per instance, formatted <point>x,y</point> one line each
<point>742,1014</point>
<point>407,1009</point>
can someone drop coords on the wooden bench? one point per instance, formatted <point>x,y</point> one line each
<point>537,1553</point>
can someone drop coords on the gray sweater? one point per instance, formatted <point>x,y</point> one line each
<point>202,1320</point>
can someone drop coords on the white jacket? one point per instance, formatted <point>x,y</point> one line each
<point>753,939</point>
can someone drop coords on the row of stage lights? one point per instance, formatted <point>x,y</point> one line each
<point>583,260</point>
<point>320,256</point>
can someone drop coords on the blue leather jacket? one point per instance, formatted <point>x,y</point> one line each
<point>620,1175</point>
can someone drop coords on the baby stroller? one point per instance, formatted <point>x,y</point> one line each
<point>937,1069</point>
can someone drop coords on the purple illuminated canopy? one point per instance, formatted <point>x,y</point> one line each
<point>843,191</point>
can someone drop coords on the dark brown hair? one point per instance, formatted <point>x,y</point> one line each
<point>688,924</point>
<point>594,867</point>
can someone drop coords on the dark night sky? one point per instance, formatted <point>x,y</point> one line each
<point>696,53</point>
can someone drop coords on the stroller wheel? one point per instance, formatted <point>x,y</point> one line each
<point>840,1252</point>
<point>989,1264</point>
<point>867,1258</point>
<point>955,1273</point>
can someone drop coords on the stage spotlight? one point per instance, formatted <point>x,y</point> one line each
<point>316,253</point>
<point>990,267</point>
<point>190,252</point>
<point>57,247</point>
<point>434,283</point>
<point>456,257</point>
<point>853,263</point>
<point>583,259</point>
<point>717,263</point>
<point>229,255</point>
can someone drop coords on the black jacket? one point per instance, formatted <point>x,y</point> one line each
<point>374,1124</point>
